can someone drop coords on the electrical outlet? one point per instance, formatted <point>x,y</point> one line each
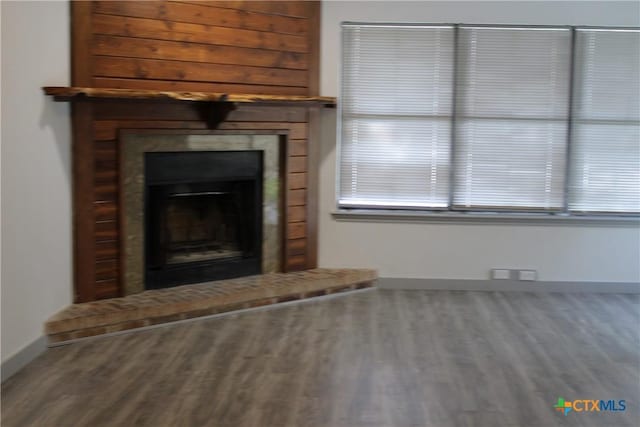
<point>528,275</point>
<point>500,274</point>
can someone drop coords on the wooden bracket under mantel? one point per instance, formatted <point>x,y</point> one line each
<point>215,110</point>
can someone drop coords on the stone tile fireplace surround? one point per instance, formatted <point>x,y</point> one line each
<point>134,148</point>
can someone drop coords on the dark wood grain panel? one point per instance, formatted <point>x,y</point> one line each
<point>313,161</point>
<point>314,14</point>
<point>104,144</point>
<point>107,250</point>
<point>106,151</point>
<point>297,247</point>
<point>83,219</point>
<point>107,130</point>
<point>297,197</point>
<point>195,52</point>
<point>143,110</point>
<point>179,85</point>
<point>257,114</point>
<point>106,211</point>
<point>296,263</point>
<point>106,176</point>
<point>108,288</point>
<point>190,111</point>
<point>197,33</point>
<point>271,7</point>
<point>296,230</point>
<point>296,214</point>
<point>204,14</point>
<point>106,230</point>
<point>296,130</point>
<point>81,24</point>
<point>107,269</point>
<point>107,66</point>
<point>297,180</point>
<point>297,147</point>
<point>103,165</point>
<point>104,193</point>
<point>268,114</point>
<point>297,164</point>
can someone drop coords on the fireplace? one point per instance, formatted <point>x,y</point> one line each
<point>203,216</point>
<point>199,207</point>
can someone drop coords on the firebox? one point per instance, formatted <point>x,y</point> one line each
<point>203,216</point>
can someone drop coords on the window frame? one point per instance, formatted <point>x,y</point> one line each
<point>450,213</point>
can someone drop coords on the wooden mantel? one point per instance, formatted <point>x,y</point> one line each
<point>219,105</point>
<point>64,93</point>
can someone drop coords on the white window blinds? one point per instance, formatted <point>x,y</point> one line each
<point>605,146</point>
<point>478,118</point>
<point>512,108</point>
<point>396,116</point>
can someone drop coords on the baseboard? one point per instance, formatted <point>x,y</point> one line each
<point>508,285</point>
<point>19,360</point>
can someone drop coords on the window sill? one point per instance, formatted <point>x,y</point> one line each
<point>374,215</point>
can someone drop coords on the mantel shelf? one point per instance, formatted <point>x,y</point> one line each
<point>64,93</point>
<point>213,107</point>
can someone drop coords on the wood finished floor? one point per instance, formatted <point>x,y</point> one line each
<point>374,358</point>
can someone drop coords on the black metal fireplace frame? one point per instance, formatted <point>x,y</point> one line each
<point>202,168</point>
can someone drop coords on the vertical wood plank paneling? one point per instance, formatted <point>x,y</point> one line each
<point>313,156</point>
<point>83,219</point>
<point>234,47</point>
<point>313,161</point>
<point>81,24</point>
<point>313,10</point>
<point>82,149</point>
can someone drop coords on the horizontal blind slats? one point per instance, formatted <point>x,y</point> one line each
<point>605,162</point>
<point>396,105</point>
<point>512,94</point>
<point>512,107</point>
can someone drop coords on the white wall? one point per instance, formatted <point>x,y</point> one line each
<point>467,251</point>
<point>36,177</point>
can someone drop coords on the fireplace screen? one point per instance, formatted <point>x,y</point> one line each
<point>200,226</point>
<point>201,231</point>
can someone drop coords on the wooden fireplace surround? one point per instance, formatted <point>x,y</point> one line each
<point>177,65</point>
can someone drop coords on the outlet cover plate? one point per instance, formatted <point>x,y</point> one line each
<point>500,274</point>
<point>527,275</point>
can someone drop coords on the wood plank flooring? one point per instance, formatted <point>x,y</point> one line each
<point>373,358</point>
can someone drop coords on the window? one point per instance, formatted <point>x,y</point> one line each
<point>511,123</point>
<point>396,116</point>
<point>490,118</point>
<point>605,161</point>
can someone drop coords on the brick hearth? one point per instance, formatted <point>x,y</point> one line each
<point>185,302</point>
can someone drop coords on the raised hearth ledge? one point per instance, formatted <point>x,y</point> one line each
<point>204,299</point>
<point>70,93</point>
